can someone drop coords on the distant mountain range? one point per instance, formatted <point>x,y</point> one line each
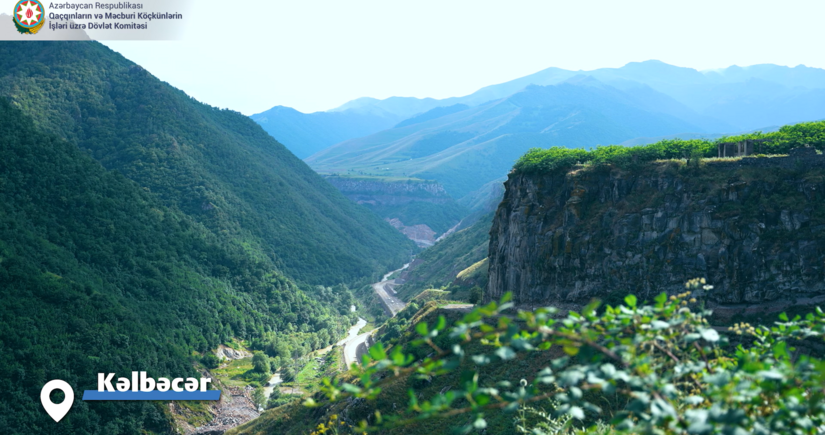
<point>468,148</point>
<point>467,142</point>
<point>307,133</point>
<point>726,100</point>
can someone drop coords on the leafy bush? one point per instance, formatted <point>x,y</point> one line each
<point>779,142</point>
<point>476,294</point>
<point>674,373</point>
<point>210,360</point>
<point>261,363</point>
<point>288,373</point>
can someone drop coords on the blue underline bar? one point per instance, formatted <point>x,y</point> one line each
<point>152,395</point>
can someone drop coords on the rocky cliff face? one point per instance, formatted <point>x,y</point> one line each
<point>421,210</point>
<point>753,227</point>
<point>421,234</point>
<point>389,193</point>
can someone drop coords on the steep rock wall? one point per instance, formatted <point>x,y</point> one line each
<point>422,210</point>
<point>390,193</point>
<point>753,227</point>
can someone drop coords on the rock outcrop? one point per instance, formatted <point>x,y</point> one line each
<point>379,191</point>
<point>420,209</point>
<point>753,227</point>
<point>422,235</point>
<point>227,353</point>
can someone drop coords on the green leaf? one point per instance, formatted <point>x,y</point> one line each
<point>377,352</point>
<point>661,299</point>
<point>397,356</point>
<point>630,300</point>
<point>422,328</point>
<point>481,359</point>
<point>709,334</point>
<point>694,400</point>
<point>349,388</point>
<point>771,374</point>
<point>783,317</point>
<point>571,350</point>
<point>576,412</point>
<point>690,338</point>
<point>505,353</point>
<point>442,322</point>
<point>780,350</point>
<point>591,308</point>
<point>608,369</point>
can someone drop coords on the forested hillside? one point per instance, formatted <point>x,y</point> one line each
<point>216,166</point>
<point>97,275</point>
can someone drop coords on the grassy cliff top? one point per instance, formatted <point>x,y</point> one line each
<point>558,158</point>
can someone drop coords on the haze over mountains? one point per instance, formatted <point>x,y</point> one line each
<point>466,149</point>
<point>317,131</point>
<point>727,100</point>
<point>465,142</point>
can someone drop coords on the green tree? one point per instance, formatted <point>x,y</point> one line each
<point>475,294</point>
<point>287,373</point>
<point>274,398</point>
<point>259,397</point>
<point>261,363</point>
<point>210,360</point>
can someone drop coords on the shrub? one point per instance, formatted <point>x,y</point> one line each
<point>674,372</point>
<point>210,360</point>
<point>476,294</point>
<point>779,142</point>
<point>261,363</point>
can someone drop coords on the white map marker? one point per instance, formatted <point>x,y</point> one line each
<point>57,410</point>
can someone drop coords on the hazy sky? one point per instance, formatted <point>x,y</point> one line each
<point>317,54</point>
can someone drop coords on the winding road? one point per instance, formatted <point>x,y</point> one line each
<point>356,345</point>
<point>386,291</point>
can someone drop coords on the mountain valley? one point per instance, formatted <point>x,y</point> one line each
<point>362,269</point>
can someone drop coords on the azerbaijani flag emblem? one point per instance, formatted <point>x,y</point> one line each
<point>29,16</point>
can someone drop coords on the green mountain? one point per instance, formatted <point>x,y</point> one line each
<point>307,133</point>
<point>216,166</point>
<point>98,275</point>
<point>469,148</point>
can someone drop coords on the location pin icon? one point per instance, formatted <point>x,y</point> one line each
<point>57,410</point>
